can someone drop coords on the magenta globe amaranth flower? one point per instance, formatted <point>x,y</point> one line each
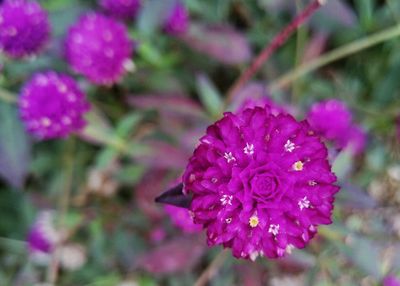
<point>99,48</point>
<point>332,120</point>
<point>182,218</point>
<point>121,9</point>
<point>52,105</point>
<point>177,20</point>
<point>24,28</point>
<point>261,183</point>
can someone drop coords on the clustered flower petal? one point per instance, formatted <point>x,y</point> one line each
<point>99,48</point>
<point>177,21</point>
<point>261,183</point>
<point>181,217</point>
<point>24,28</point>
<point>52,105</point>
<point>121,9</point>
<point>332,120</point>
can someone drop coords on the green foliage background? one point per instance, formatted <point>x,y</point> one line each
<point>142,131</point>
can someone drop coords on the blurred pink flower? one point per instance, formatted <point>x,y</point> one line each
<point>52,105</point>
<point>177,21</point>
<point>121,9</point>
<point>24,28</point>
<point>99,48</point>
<point>42,237</point>
<point>332,120</point>
<point>391,280</point>
<point>261,183</point>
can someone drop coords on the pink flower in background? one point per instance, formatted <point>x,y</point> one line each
<point>42,236</point>
<point>182,219</point>
<point>261,183</point>
<point>52,105</point>
<point>24,28</point>
<point>177,21</point>
<point>99,48</point>
<point>391,280</point>
<point>332,120</point>
<point>121,9</point>
<point>356,138</point>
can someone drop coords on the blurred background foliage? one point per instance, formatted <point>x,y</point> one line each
<point>102,182</point>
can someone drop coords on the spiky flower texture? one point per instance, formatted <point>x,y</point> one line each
<point>261,183</point>
<point>24,28</point>
<point>52,105</point>
<point>99,48</point>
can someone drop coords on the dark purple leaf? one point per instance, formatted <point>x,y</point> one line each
<point>177,255</point>
<point>151,186</point>
<point>222,43</point>
<point>15,148</point>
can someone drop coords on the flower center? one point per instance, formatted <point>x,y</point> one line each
<point>264,187</point>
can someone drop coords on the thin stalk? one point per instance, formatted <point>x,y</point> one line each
<point>335,55</point>
<point>212,269</point>
<point>63,206</point>
<point>277,42</point>
<point>301,38</point>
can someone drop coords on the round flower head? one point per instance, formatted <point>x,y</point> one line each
<point>121,9</point>
<point>182,219</point>
<point>330,118</point>
<point>24,28</point>
<point>261,183</point>
<point>99,48</point>
<point>178,20</point>
<point>51,105</point>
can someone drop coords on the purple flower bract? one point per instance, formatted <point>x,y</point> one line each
<point>177,21</point>
<point>52,105</point>
<point>121,9</point>
<point>24,28</point>
<point>261,183</point>
<point>182,219</point>
<point>99,48</point>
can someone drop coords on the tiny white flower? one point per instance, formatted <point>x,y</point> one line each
<point>249,149</point>
<point>229,157</point>
<point>289,146</point>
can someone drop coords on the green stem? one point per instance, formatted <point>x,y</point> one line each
<point>63,206</point>
<point>335,55</point>
<point>301,38</point>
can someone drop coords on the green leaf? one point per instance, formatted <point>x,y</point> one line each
<point>153,14</point>
<point>343,164</point>
<point>209,96</point>
<point>15,148</point>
